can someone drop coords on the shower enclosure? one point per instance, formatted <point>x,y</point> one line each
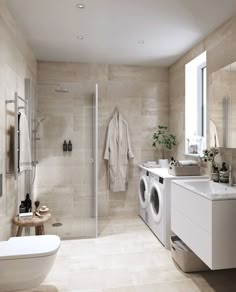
<point>66,181</point>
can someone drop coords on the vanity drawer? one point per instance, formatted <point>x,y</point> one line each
<point>195,237</point>
<point>194,207</point>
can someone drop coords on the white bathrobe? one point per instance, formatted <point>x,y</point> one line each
<point>118,152</point>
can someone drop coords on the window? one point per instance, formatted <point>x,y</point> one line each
<point>195,105</point>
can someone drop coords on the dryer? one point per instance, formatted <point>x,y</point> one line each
<point>158,215</point>
<point>143,193</point>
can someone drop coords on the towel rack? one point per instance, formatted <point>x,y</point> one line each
<point>16,132</point>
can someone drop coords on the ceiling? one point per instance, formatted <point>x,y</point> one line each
<point>112,29</point>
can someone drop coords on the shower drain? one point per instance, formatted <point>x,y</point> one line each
<point>58,224</point>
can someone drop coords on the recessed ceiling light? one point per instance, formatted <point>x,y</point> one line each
<point>141,42</point>
<point>80,37</point>
<point>80,5</point>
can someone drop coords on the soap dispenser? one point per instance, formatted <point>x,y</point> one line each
<point>69,146</point>
<point>224,174</point>
<point>64,147</point>
<point>27,203</point>
<point>215,175</point>
<point>22,207</point>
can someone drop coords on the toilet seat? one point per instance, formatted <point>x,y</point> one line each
<point>29,247</point>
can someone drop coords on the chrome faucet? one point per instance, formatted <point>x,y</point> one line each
<point>230,176</point>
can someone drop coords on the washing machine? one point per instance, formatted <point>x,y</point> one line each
<point>143,193</point>
<point>159,203</point>
<point>157,207</point>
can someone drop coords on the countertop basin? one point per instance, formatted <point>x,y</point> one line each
<point>209,189</point>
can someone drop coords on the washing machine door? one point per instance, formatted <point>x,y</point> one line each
<point>156,203</point>
<point>143,192</point>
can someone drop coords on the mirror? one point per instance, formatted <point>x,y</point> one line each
<point>222,117</point>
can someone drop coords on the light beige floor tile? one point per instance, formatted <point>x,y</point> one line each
<point>126,257</point>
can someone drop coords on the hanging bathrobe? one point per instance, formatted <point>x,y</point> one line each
<point>118,152</point>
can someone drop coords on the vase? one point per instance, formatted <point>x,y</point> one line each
<point>164,163</point>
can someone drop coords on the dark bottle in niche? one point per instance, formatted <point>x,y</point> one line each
<point>28,204</point>
<point>65,148</point>
<point>69,146</point>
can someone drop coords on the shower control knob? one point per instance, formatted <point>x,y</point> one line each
<point>91,160</point>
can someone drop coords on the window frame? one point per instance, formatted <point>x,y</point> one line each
<point>196,100</point>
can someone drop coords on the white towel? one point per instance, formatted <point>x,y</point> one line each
<point>188,162</point>
<point>25,162</point>
<point>214,139</point>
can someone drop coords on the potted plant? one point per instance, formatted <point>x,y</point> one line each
<point>209,155</point>
<point>164,141</point>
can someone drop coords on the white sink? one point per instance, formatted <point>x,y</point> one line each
<point>209,189</point>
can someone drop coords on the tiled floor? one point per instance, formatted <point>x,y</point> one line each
<point>126,257</point>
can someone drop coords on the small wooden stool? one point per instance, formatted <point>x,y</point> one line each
<point>36,222</point>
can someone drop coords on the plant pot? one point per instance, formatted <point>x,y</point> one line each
<point>164,163</point>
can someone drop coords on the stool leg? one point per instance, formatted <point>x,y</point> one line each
<point>19,231</point>
<point>42,229</point>
<point>37,230</point>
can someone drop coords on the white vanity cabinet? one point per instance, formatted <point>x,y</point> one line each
<point>207,226</point>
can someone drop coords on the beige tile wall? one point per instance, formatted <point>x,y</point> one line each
<point>141,93</point>
<point>16,63</point>
<point>220,46</point>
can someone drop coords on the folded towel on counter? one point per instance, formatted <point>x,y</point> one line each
<point>187,162</point>
<point>148,165</point>
<point>151,164</point>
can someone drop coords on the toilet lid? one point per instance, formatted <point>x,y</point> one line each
<point>29,247</point>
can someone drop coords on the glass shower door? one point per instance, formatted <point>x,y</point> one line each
<point>66,181</point>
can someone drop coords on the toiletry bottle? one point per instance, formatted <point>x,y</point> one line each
<point>224,174</point>
<point>36,203</point>
<point>69,146</point>
<point>22,207</point>
<point>28,203</point>
<point>215,175</point>
<point>65,148</point>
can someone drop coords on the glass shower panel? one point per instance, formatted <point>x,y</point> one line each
<point>66,180</point>
<point>95,154</point>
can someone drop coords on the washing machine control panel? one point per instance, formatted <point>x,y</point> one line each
<point>161,180</point>
<point>157,178</point>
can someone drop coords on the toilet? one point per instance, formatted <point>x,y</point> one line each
<point>26,261</point>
